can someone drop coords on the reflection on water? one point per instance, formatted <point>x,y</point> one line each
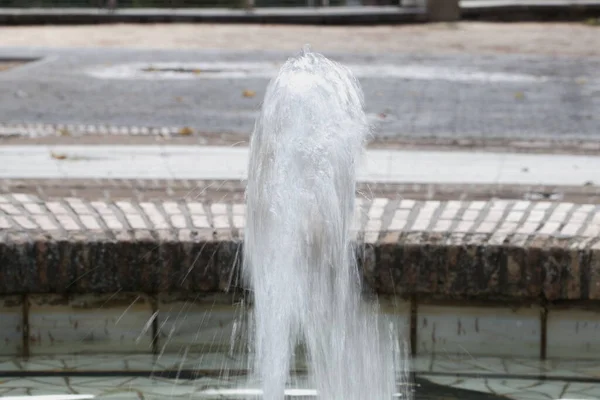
<point>427,390</point>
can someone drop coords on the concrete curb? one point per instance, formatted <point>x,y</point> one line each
<point>514,250</point>
<point>325,16</point>
<point>529,10</point>
<point>495,10</point>
<point>76,133</point>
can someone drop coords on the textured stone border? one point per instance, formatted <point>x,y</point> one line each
<point>60,133</point>
<point>516,250</point>
<point>34,130</point>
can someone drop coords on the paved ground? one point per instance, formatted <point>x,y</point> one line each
<point>409,96</point>
<point>478,80</point>
<point>551,39</point>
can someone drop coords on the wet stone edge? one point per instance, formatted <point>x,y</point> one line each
<point>208,261</point>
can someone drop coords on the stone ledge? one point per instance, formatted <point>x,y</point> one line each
<point>522,267</point>
<point>442,266</point>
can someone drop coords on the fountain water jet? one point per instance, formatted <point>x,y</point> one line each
<point>298,254</point>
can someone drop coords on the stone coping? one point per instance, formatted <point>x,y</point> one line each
<point>499,249</point>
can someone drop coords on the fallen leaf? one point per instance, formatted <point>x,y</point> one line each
<point>382,115</point>
<point>179,99</point>
<point>186,131</point>
<point>519,95</point>
<point>64,132</point>
<point>197,71</point>
<point>58,156</point>
<point>249,93</point>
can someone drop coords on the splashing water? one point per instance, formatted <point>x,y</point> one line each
<point>299,257</point>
